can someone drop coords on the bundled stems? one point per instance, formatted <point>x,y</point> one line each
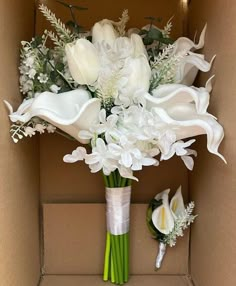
<point>116,260</point>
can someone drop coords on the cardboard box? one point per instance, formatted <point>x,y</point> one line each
<point>46,206</point>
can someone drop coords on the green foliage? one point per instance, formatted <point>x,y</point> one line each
<point>156,38</point>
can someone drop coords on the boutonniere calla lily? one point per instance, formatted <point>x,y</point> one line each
<point>71,111</point>
<point>167,221</point>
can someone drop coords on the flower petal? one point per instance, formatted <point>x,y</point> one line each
<point>160,195</point>
<point>184,119</point>
<point>188,161</point>
<point>172,94</point>
<point>177,203</point>
<point>77,155</point>
<point>83,61</point>
<point>183,44</point>
<point>162,217</point>
<point>70,111</point>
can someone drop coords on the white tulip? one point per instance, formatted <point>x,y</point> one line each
<point>83,61</point>
<point>104,31</point>
<point>138,46</point>
<point>138,79</point>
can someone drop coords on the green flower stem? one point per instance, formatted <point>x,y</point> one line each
<point>113,249</point>
<point>111,181</point>
<point>115,179</point>
<point>113,280</point>
<point>123,182</point>
<point>119,180</point>
<point>118,259</point>
<point>107,256</point>
<point>122,254</point>
<point>106,180</point>
<point>126,257</point>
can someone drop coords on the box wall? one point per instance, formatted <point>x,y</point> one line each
<point>19,171</point>
<point>212,183</point>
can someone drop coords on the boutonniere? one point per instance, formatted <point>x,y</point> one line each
<point>168,220</point>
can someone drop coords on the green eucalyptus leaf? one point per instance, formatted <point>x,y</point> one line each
<point>59,67</point>
<point>37,41</point>
<point>53,76</point>
<point>147,41</point>
<point>155,34</point>
<point>143,32</point>
<point>166,41</point>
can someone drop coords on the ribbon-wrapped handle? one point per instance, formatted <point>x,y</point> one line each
<point>118,210</point>
<point>160,255</point>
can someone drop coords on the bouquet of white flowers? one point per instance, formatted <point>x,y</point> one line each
<point>127,94</point>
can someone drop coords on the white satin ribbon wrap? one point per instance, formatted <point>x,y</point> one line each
<point>160,255</point>
<point>118,210</point>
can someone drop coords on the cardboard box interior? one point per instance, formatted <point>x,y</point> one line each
<point>34,179</point>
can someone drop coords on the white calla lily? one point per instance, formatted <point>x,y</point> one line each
<point>104,31</point>
<point>21,113</point>
<point>183,44</point>
<point>190,62</point>
<point>177,203</point>
<point>170,94</point>
<point>159,195</point>
<point>162,217</point>
<point>83,61</point>
<point>189,66</point>
<point>70,111</point>
<point>184,110</point>
<point>186,122</point>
